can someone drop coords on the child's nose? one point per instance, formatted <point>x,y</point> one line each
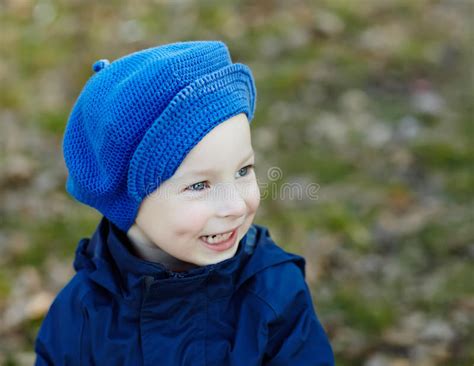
<point>230,201</point>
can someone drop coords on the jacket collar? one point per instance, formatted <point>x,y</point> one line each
<point>107,259</point>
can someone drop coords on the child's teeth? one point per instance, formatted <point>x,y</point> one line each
<point>212,239</point>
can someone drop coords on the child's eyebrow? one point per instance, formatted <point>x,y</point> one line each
<point>210,171</point>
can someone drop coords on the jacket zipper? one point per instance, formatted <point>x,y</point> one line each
<point>148,282</point>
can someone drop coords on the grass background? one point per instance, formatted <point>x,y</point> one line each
<point>370,101</point>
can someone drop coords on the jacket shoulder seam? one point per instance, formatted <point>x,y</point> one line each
<point>262,299</point>
<point>82,278</point>
<point>251,288</point>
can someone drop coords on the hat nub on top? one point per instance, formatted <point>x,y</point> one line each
<point>100,64</point>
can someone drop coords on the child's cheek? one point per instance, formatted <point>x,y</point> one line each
<point>191,218</point>
<point>253,198</point>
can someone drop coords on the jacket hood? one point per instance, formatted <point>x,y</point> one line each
<point>107,260</point>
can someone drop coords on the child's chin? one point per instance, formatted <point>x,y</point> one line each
<point>218,257</point>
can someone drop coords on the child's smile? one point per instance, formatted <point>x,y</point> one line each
<point>220,242</point>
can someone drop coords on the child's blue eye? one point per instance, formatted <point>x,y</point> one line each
<point>199,186</point>
<point>245,170</point>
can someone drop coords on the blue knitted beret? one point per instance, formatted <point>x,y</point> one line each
<point>139,116</point>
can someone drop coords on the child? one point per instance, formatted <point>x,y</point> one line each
<point>176,273</point>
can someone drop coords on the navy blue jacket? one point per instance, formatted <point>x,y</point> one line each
<point>252,309</point>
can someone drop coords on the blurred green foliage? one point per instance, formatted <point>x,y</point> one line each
<point>371,100</point>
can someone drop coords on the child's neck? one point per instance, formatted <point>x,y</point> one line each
<point>145,249</point>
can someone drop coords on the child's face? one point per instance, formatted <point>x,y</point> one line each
<point>191,204</point>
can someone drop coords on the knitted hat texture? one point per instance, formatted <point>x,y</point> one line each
<point>138,117</point>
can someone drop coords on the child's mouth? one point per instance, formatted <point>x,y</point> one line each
<point>220,242</point>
